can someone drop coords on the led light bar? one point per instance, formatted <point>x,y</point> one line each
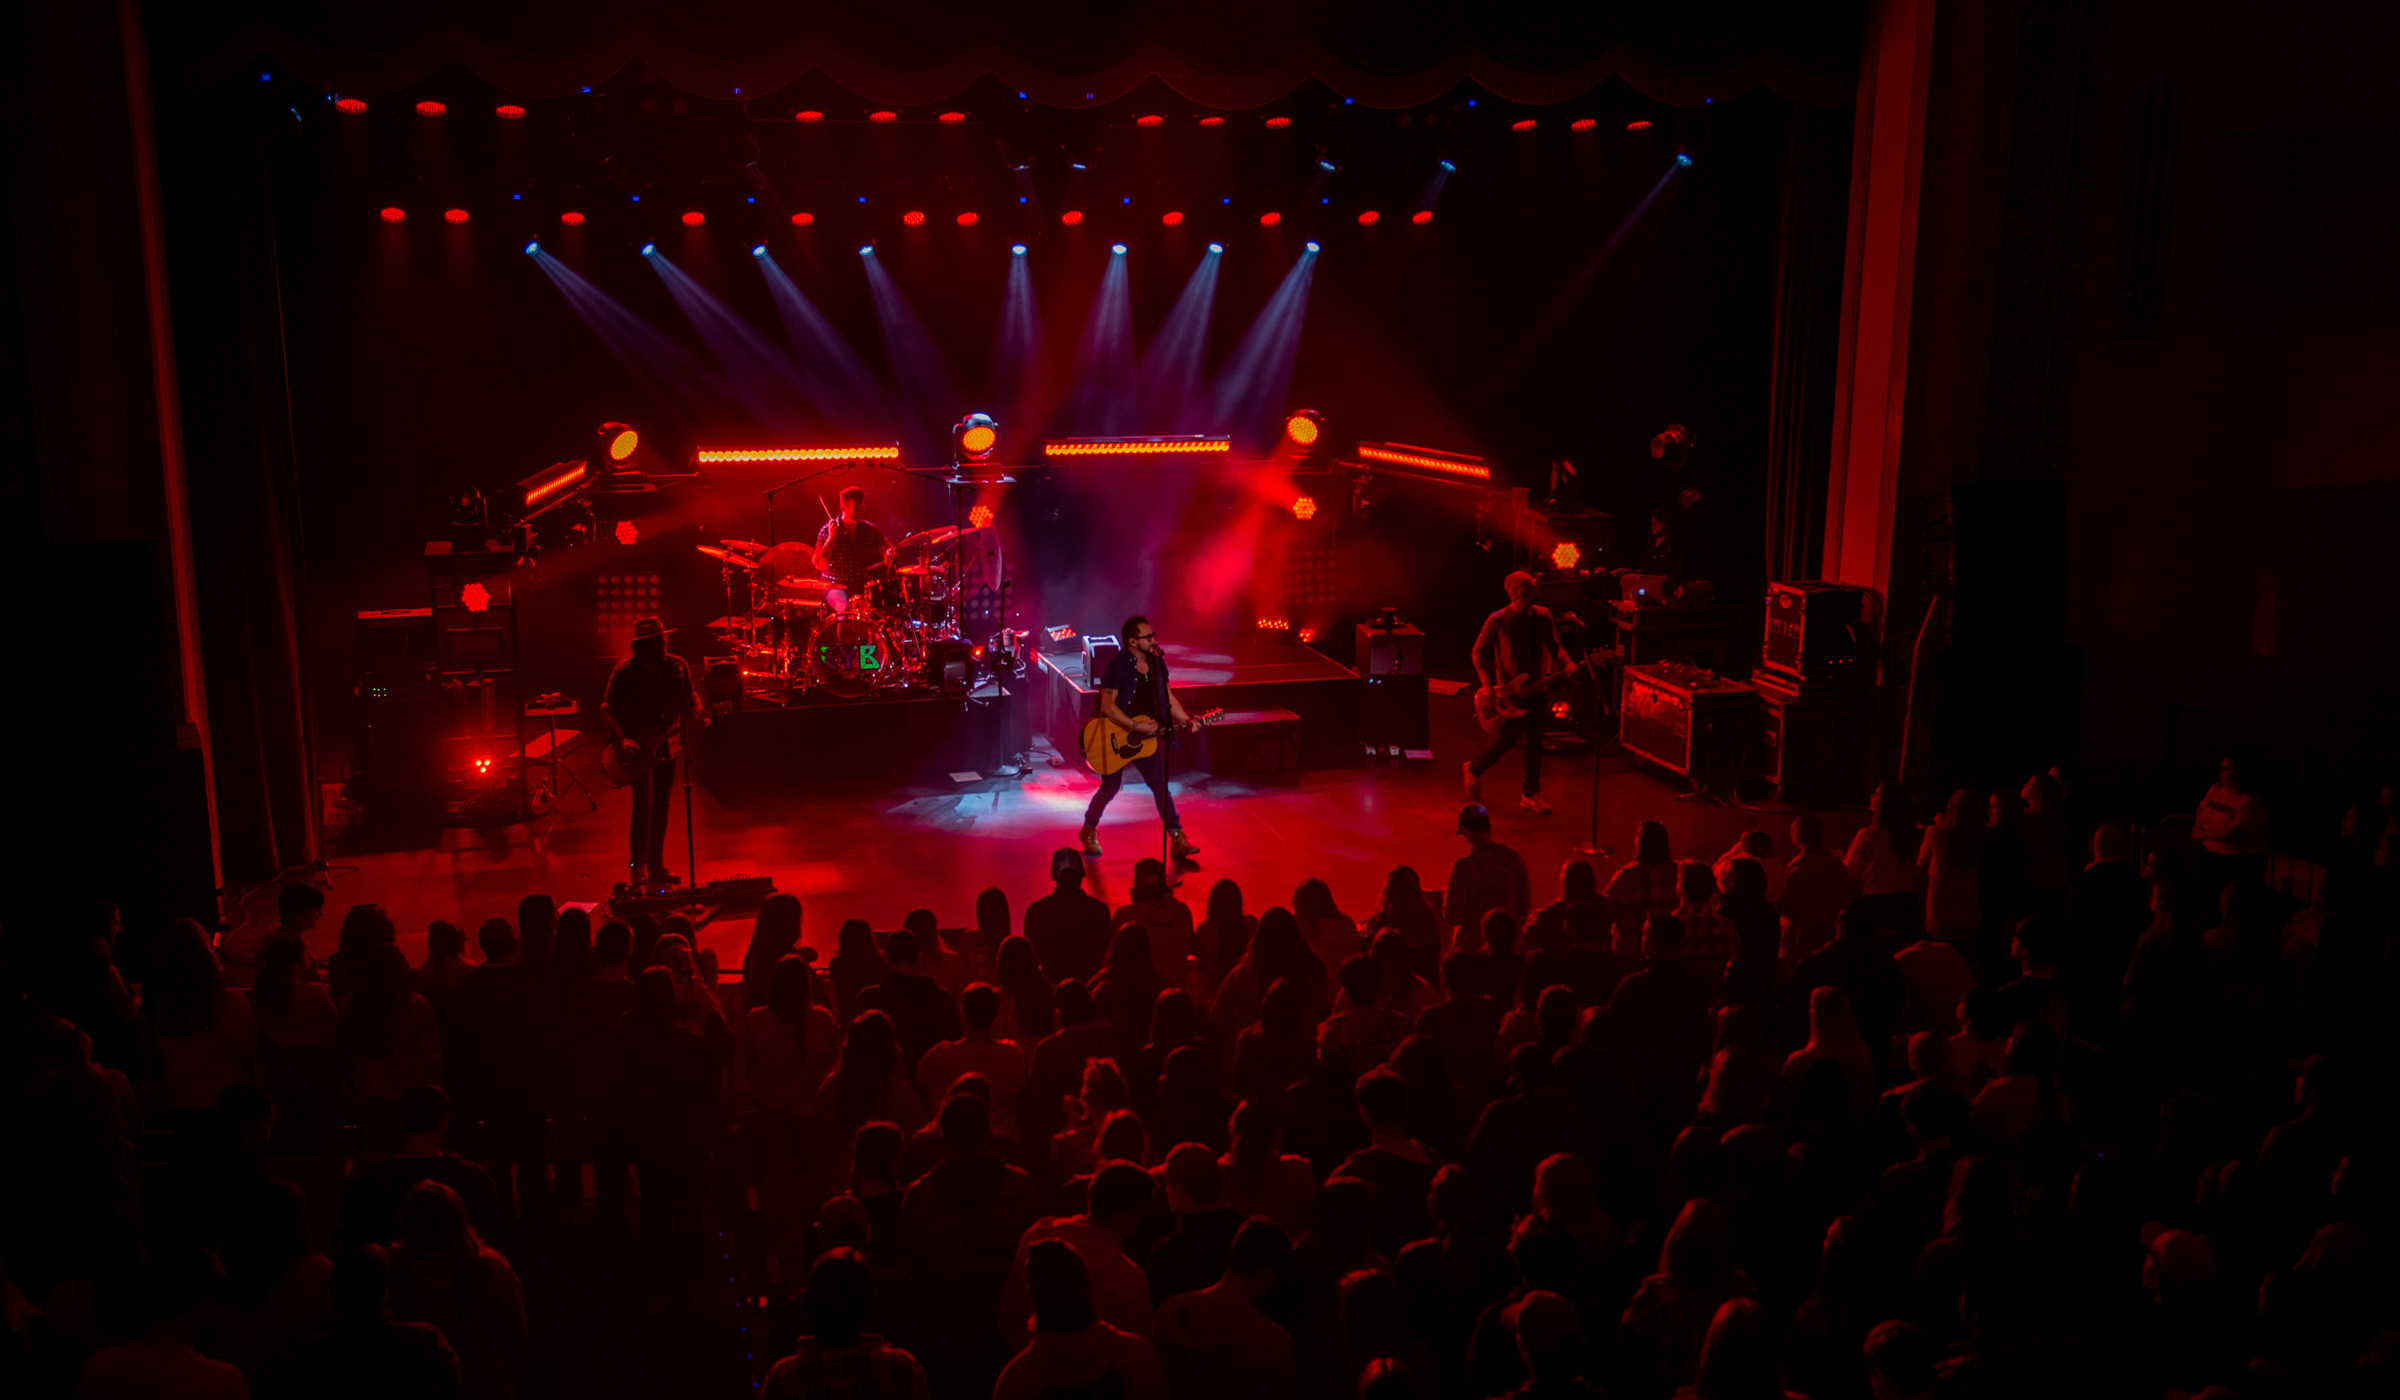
<point>1427,459</point>
<point>1135,446</point>
<point>550,485</point>
<point>872,452</point>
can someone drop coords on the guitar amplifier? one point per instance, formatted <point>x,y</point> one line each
<point>1816,630</point>
<point>1687,720</point>
<point>1097,653</point>
<point>1397,650</point>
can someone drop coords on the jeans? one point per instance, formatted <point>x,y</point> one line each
<point>1529,726</point>
<point>1154,772</point>
<point>653,785</point>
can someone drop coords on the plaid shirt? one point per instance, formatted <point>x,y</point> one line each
<point>1663,1327</point>
<point>867,1369</point>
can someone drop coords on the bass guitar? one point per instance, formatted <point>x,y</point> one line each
<point>1496,705</point>
<point>1109,746</point>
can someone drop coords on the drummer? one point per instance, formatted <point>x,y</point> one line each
<point>850,551</point>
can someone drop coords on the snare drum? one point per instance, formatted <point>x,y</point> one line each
<point>849,654</point>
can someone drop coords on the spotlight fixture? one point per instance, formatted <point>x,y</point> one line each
<point>883,118</point>
<point>1071,218</point>
<point>1173,218</point>
<point>1449,166</point>
<point>1212,121</point>
<point>532,247</point>
<point>803,219</point>
<point>1311,245</point>
<point>1117,249</point>
<point>1016,250</point>
<point>1640,125</point>
<point>571,219</point>
<point>1304,508</point>
<point>1269,219</point>
<point>1566,555</point>
<point>975,437</point>
<point>1684,159</point>
<point>1327,166</point>
<point>1278,123</point>
<point>649,250</point>
<point>1583,124</point>
<point>1523,124</point>
<point>866,250</point>
<point>810,116</point>
<point>394,214</point>
<point>1303,428</point>
<point>549,486</point>
<point>968,219</point>
<point>952,118</point>
<point>349,106</point>
<point>617,442</point>
<point>982,516</point>
<point>1427,461</point>
<point>459,216</point>
<point>1150,120</point>
<point>758,250</point>
<point>509,112</point>
<point>1422,216</point>
<point>430,108</point>
<point>876,452</point>
<point>1216,247</point>
<point>693,218</point>
<point>914,218</point>
<point>1137,446</point>
<point>1368,218</point>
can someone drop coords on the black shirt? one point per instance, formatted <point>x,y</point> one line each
<point>1137,694</point>
<point>647,694</point>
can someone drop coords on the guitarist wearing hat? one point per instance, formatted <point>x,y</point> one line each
<point>649,701</point>
<point>1517,648</point>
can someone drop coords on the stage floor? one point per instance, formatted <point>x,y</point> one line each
<point>866,850</point>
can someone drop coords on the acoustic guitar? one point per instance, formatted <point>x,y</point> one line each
<point>1109,746</point>
<point>1496,705</point>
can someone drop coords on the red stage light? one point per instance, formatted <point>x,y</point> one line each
<point>1274,624</point>
<point>811,115</point>
<point>803,219</point>
<point>1303,429</point>
<point>1583,124</point>
<point>981,516</point>
<point>1212,121</point>
<point>913,218</point>
<point>967,220</point>
<point>456,216</point>
<point>1173,218</point>
<point>509,112</point>
<point>1368,218</point>
<point>1523,124</point>
<point>1637,126</point>
<point>887,452</point>
<point>1426,459</point>
<point>883,117</point>
<point>1071,218</point>
<point>1307,634</point>
<point>395,214</point>
<point>1560,709</point>
<point>430,108</point>
<point>1305,508</point>
<point>1278,123</point>
<point>1269,219</point>
<point>693,218</point>
<point>953,118</point>
<point>349,106</point>
<point>1152,120</point>
<point>474,597</point>
<point>571,219</point>
<point>1566,555</point>
<point>483,767</point>
<point>1422,216</point>
<point>626,534</point>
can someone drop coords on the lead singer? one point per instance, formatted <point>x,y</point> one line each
<point>1134,693</point>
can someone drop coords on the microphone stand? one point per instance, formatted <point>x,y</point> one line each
<point>1592,846</point>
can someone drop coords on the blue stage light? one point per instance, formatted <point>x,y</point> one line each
<point>1216,247</point>
<point>648,249</point>
<point>866,250</point>
<point>1683,159</point>
<point>532,248</point>
<point>758,250</point>
<point>1327,166</point>
<point>637,199</point>
<point>515,198</point>
<point>1117,248</point>
<point>1450,166</point>
<point>1016,249</point>
<point>1310,246</point>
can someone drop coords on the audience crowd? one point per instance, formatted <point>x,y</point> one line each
<point>1998,1105</point>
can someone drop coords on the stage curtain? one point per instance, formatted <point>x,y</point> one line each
<point>1220,53</point>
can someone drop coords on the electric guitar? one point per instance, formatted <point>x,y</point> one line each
<point>1496,705</point>
<point>612,753</point>
<point>1109,746</point>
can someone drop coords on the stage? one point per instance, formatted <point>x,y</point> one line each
<point>873,848</point>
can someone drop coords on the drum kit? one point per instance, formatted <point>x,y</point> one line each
<point>794,632</point>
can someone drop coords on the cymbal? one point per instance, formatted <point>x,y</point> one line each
<point>745,546</point>
<point>938,536</point>
<point>918,570</point>
<point>729,556</point>
<point>806,589</point>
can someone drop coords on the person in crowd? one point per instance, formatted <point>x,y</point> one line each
<point>445,968</point>
<point>1755,844</point>
<point>298,1031</point>
<point>1883,855</point>
<point>1332,935</point>
<point>1278,952</point>
<point>592,1131</point>
<point>1947,859</point>
<point>364,1351</point>
<point>240,949</point>
<point>787,1044</point>
<point>1867,975</point>
<point>964,1219</point>
<point>937,957</point>
<point>1550,1345</point>
<point>1363,1029</point>
<point>1067,927</point>
<point>977,1050</point>
<point>1655,1027</point>
<point>1222,937</point>
<point>1405,909</point>
<point>364,927</point>
<point>1135,979</point>
<point>1709,941</point>
<point>1665,1327</point>
<point>390,1042</point>
<point>1028,1008</point>
<point>1817,887</point>
<point>1214,1342</point>
<point>1397,1165</point>
<point>840,1356</point>
<point>1260,1178</point>
<point>275,1294</point>
<point>205,1032</point>
<point>1191,1254</point>
<point>670,1103</point>
<point>922,1015</point>
<point>1119,1198</point>
<point>1073,1350</point>
<point>1489,876</point>
<point>373,1199</point>
<point>1645,885</point>
<point>775,936</point>
<point>1465,1023</point>
<point>497,1069</point>
<point>160,1362</point>
<point>857,965</point>
<point>1167,920</point>
<point>444,1274</point>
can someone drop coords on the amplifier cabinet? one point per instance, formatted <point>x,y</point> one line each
<point>1812,744</point>
<point>1687,720</point>
<point>1816,630</point>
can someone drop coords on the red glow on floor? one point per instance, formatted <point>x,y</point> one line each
<point>811,115</point>
<point>456,216</point>
<point>509,112</point>
<point>395,215</point>
<point>693,218</point>
<point>1422,216</point>
<point>803,219</point>
<point>430,109</point>
<point>968,219</point>
<point>1173,218</point>
<point>571,219</point>
<point>626,534</point>
<point>1071,218</point>
<point>1368,218</point>
<point>1269,219</point>
<point>349,106</point>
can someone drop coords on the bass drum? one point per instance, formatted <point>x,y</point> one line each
<point>849,654</point>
